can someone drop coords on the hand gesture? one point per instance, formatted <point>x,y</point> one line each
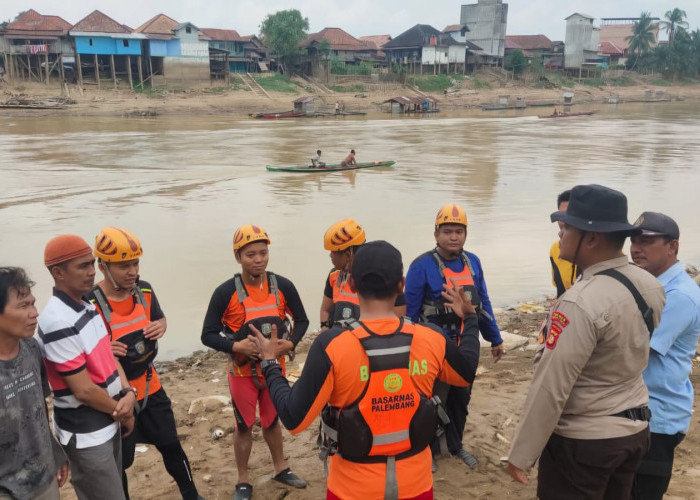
<point>247,347</point>
<point>268,348</point>
<point>118,348</point>
<point>457,299</point>
<point>155,329</point>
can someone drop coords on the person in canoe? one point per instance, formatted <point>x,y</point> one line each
<point>316,160</point>
<point>349,160</point>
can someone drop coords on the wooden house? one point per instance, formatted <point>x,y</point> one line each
<point>35,46</point>
<point>343,47</point>
<point>425,49</point>
<point>411,104</point>
<point>106,49</point>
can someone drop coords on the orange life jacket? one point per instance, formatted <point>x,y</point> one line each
<point>128,329</point>
<point>346,303</point>
<point>435,311</point>
<point>391,419</point>
<point>262,315</point>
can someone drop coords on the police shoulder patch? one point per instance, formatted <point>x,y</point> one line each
<point>557,322</point>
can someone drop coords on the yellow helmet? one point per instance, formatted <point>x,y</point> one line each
<point>343,235</point>
<point>451,214</point>
<point>249,234</point>
<point>117,245</point>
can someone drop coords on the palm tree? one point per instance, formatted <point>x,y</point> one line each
<point>674,19</point>
<point>642,37</point>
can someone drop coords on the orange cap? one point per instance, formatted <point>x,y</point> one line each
<point>65,247</point>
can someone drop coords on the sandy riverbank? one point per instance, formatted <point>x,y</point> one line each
<point>218,100</point>
<point>499,393</point>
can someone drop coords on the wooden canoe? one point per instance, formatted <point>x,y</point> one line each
<point>334,167</point>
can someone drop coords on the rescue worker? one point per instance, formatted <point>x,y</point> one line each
<point>564,273</point>
<point>377,375</point>
<point>340,303</point>
<point>254,297</point>
<point>424,283</point>
<point>586,414</point>
<point>135,322</point>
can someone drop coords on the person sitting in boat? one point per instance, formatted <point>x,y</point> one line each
<point>349,160</point>
<point>316,160</point>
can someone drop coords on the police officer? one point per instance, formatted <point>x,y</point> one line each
<point>135,322</point>
<point>378,376</point>
<point>424,285</point>
<point>586,414</point>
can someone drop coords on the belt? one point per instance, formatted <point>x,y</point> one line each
<point>643,414</point>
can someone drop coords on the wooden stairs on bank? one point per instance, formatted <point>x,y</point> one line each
<point>254,86</point>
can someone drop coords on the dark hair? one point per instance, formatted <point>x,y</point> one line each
<point>563,196</point>
<point>352,151</point>
<point>13,278</point>
<point>318,151</point>
<point>373,287</point>
<point>616,239</point>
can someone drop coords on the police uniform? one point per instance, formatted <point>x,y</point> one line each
<point>593,348</point>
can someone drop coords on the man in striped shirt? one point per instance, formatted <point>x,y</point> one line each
<point>92,397</point>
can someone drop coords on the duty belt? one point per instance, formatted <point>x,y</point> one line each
<point>643,414</point>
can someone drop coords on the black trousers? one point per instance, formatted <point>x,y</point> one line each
<point>155,425</point>
<point>590,469</point>
<point>654,473</point>
<point>456,401</point>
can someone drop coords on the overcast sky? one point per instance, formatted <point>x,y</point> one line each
<point>357,17</point>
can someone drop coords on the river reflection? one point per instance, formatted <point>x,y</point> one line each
<point>183,184</point>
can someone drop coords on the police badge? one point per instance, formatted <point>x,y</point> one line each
<point>346,312</point>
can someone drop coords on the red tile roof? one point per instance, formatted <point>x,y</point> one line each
<point>376,40</point>
<point>528,42</point>
<point>222,35</point>
<point>609,48</point>
<point>33,21</point>
<point>339,40</point>
<point>97,22</point>
<point>452,27</point>
<point>158,25</point>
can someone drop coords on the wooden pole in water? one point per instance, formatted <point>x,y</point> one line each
<point>111,67</point>
<point>46,62</point>
<point>97,71</point>
<point>60,67</point>
<point>128,70</point>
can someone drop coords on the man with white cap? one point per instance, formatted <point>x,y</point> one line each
<point>585,415</point>
<point>672,347</point>
<point>92,397</point>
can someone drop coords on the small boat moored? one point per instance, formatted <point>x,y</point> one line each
<point>556,114</point>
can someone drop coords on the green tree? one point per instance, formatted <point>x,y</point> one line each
<point>674,19</point>
<point>515,61</point>
<point>642,37</point>
<point>282,32</point>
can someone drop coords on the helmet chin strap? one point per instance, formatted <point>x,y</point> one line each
<point>578,247</point>
<point>111,278</point>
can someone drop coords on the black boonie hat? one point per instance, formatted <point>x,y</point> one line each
<point>657,224</point>
<point>598,209</point>
<point>377,260</point>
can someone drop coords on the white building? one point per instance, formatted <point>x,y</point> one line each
<point>486,22</point>
<point>581,41</point>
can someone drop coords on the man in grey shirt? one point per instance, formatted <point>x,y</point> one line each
<point>33,465</point>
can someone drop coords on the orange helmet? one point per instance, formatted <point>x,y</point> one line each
<point>451,214</point>
<point>249,234</point>
<point>117,245</point>
<point>343,235</point>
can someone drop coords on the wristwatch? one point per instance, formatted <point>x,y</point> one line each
<point>127,390</point>
<point>265,363</point>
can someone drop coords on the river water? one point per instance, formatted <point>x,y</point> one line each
<point>183,184</point>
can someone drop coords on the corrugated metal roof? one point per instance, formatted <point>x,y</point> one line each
<point>528,42</point>
<point>452,27</point>
<point>377,40</point>
<point>304,99</point>
<point>416,99</point>
<point>609,48</point>
<point>97,22</point>
<point>338,39</point>
<point>158,25</point>
<point>418,36</point>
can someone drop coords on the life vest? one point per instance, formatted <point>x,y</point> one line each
<point>391,419</point>
<point>346,303</point>
<point>262,315</point>
<point>128,329</point>
<point>435,311</point>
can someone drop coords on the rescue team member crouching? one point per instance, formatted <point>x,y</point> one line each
<point>135,322</point>
<point>85,378</point>
<point>340,303</point>
<point>377,375</point>
<point>260,298</point>
<point>586,415</point>
<point>424,284</point>
<point>33,465</point>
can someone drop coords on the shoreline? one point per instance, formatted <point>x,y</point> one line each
<point>220,101</point>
